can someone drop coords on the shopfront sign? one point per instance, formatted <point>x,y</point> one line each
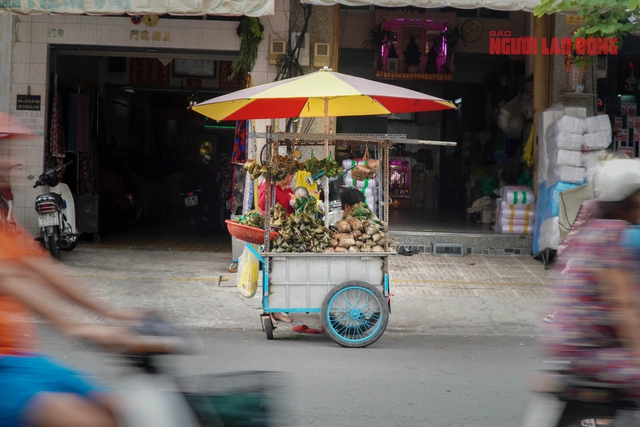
<point>501,43</point>
<point>622,135</point>
<point>633,122</point>
<point>140,7</point>
<point>32,120</point>
<point>28,103</point>
<point>628,108</point>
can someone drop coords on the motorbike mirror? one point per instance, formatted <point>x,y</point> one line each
<point>30,177</point>
<point>309,180</point>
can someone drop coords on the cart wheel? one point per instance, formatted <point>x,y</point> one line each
<point>355,314</point>
<point>268,328</point>
<point>233,268</point>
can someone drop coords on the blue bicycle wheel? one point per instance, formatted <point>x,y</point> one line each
<point>355,314</point>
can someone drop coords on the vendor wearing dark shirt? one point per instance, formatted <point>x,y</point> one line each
<point>350,197</point>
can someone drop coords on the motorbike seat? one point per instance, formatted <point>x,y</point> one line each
<point>568,386</point>
<point>584,389</point>
<point>56,198</point>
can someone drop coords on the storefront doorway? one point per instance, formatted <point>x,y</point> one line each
<point>440,183</point>
<point>122,117</point>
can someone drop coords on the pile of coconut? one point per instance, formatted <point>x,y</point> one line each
<point>359,231</point>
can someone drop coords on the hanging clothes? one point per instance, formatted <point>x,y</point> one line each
<point>58,146</point>
<point>71,124</point>
<point>83,129</point>
<point>240,143</point>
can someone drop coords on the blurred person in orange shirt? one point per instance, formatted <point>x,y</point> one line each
<point>35,390</point>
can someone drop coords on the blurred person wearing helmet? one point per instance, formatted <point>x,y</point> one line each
<point>36,390</point>
<point>597,321</point>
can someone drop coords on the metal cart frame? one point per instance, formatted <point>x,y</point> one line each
<point>349,290</point>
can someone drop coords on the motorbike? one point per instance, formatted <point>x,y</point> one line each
<point>200,207</point>
<point>152,396</point>
<point>564,399</point>
<point>56,213</point>
<point>6,199</point>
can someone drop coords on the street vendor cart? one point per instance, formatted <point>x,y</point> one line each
<point>350,290</point>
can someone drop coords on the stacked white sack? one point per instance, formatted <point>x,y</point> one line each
<point>514,229</point>
<point>349,181</point>
<point>568,124</point>
<point>599,125</point>
<point>596,141</point>
<point>515,213</point>
<point>566,166</point>
<point>520,213</point>
<point>590,163</point>
<point>517,195</point>
<point>549,233</point>
<point>515,219</point>
<point>566,133</point>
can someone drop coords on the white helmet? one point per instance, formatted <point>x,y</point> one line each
<point>619,179</point>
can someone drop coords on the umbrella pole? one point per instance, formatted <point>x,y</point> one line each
<point>326,156</point>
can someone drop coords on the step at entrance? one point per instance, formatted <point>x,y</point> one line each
<point>450,249</point>
<point>443,243</point>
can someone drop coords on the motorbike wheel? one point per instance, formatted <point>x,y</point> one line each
<point>52,245</point>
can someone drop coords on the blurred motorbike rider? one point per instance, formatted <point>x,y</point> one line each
<point>597,325</point>
<point>36,390</point>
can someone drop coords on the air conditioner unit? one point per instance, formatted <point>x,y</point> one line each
<point>277,48</point>
<point>303,58</point>
<point>321,54</point>
<point>601,67</point>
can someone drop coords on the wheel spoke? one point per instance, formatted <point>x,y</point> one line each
<point>354,314</point>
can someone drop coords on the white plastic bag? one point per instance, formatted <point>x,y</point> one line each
<point>248,272</point>
<point>511,118</point>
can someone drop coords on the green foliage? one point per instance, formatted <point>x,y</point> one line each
<point>378,35</point>
<point>251,34</point>
<point>602,18</point>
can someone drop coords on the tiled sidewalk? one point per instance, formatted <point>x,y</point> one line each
<point>469,276</point>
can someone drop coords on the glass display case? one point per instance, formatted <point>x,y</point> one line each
<point>400,182</point>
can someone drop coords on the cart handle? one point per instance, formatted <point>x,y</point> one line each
<point>256,253</point>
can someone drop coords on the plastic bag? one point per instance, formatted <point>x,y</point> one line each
<point>248,272</point>
<point>511,118</point>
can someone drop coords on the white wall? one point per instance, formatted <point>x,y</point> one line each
<point>32,36</point>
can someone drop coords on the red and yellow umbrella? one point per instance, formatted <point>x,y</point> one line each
<point>320,94</point>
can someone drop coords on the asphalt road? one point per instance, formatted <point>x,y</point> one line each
<point>401,380</point>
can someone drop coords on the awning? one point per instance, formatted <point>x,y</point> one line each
<point>525,5</point>
<point>139,7</point>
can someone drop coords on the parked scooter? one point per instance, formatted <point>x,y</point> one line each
<point>199,207</point>
<point>201,201</point>
<point>56,213</point>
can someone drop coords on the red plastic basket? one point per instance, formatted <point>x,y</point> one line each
<point>247,233</point>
